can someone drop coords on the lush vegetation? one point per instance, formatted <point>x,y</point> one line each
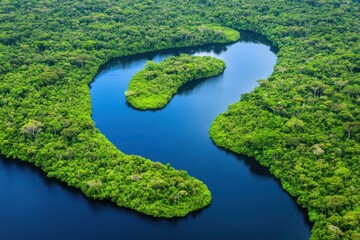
<point>154,86</point>
<point>303,122</point>
<point>46,110</point>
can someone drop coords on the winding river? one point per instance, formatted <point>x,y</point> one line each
<point>248,203</point>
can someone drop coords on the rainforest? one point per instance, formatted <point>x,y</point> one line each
<point>302,122</point>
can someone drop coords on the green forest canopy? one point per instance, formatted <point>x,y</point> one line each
<point>302,123</point>
<point>154,86</point>
<point>47,111</point>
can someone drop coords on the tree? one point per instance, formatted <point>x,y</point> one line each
<point>295,123</point>
<point>336,231</point>
<point>349,126</point>
<point>341,84</point>
<point>32,128</point>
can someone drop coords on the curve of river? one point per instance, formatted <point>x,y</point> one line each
<point>248,203</point>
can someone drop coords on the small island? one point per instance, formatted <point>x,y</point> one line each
<point>154,86</point>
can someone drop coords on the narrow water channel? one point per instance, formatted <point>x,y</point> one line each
<point>248,203</point>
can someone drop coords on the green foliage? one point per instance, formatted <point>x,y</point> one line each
<point>154,86</point>
<point>303,123</point>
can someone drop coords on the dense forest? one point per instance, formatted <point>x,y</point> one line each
<point>154,86</point>
<point>302,122</point>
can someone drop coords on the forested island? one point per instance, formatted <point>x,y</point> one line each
<point>154,86</point>
<point>302,122</point>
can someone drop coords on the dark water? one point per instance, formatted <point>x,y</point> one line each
<point>248,203</point>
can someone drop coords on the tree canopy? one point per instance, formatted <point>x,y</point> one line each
<point>303,123</point>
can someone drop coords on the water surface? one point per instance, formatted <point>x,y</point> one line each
<point>248,203</point>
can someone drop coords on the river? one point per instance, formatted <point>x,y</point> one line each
<point>248,203</point>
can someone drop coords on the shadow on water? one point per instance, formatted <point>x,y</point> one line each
<point>251,37</point>
<point>245,36</point>
<point>98,205</point>
<point>125,62</point>
<point>95,204</point>
<point>188,87</point>
<point>261,171</point>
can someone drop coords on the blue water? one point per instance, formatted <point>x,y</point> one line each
<point>248,203</point>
